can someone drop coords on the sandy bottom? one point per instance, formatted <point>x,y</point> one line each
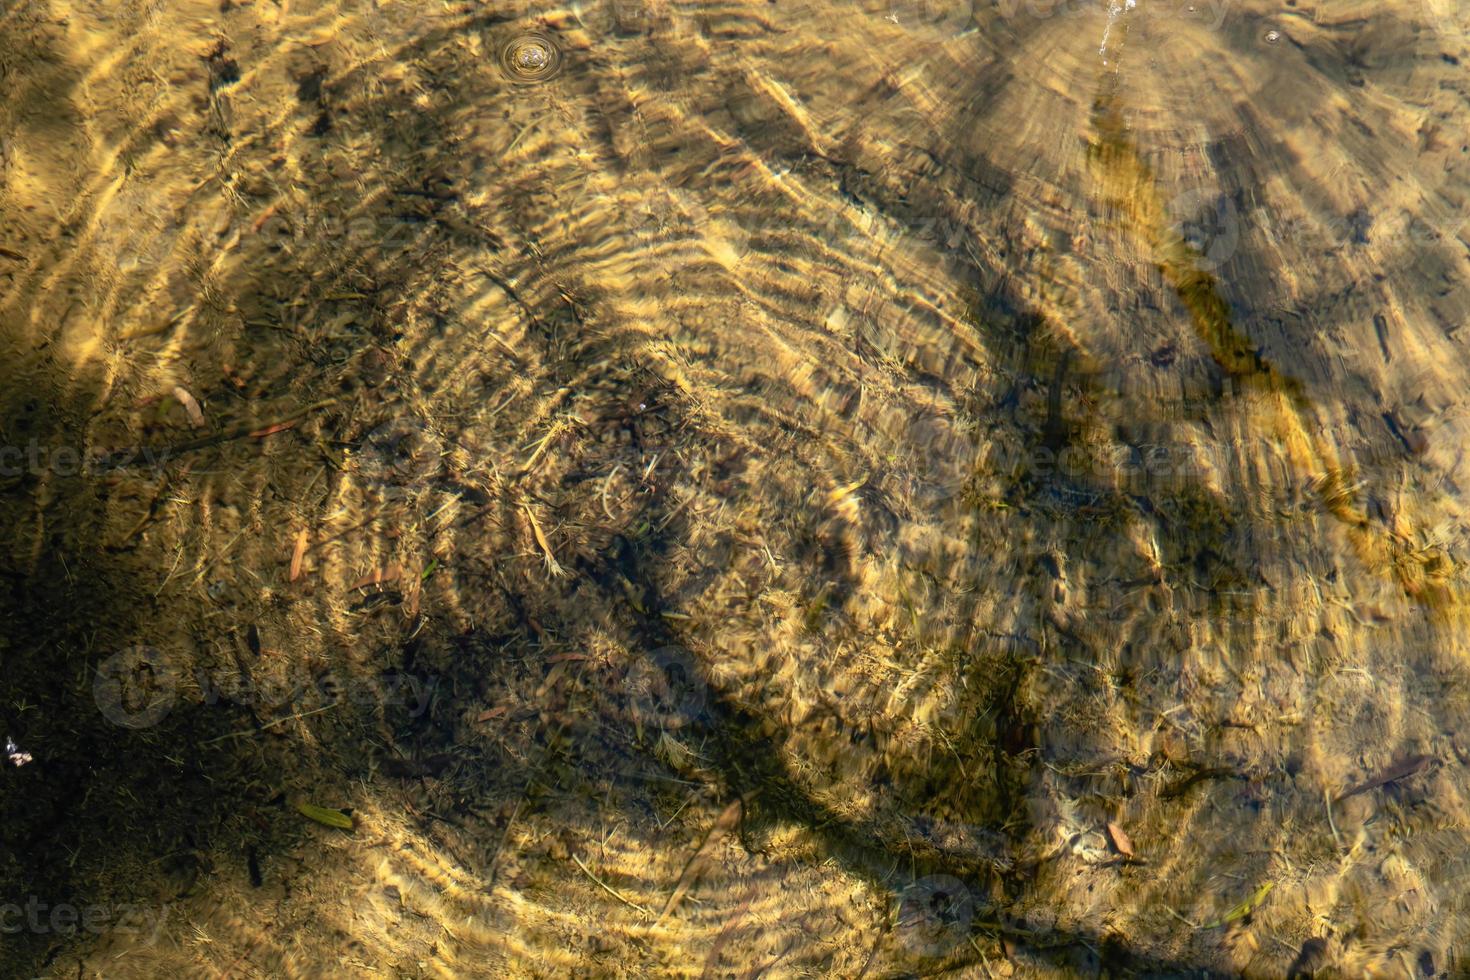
<point>902,488</point>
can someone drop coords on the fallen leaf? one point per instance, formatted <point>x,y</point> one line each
<point>553,676</point>
<point>271,430</point>
<point>324,816</point>
<point>1245,908</point>
<point>299,555</point>
<point>836,496</point>
<point>490,714</point>
<point>553,568</point>
<point>379,576</point>
<point>191,406</point>
<point>1120,840</point>
<point>1399,770</point>
<point>265,216</point>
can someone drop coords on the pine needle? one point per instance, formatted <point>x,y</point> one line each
<point>552,567</point>
<point>609,889</point>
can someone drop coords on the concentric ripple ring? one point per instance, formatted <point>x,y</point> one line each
<point>532,57</point>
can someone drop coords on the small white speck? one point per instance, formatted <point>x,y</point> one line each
<point>16,756</point>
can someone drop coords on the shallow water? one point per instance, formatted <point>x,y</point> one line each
<point>762,488</point>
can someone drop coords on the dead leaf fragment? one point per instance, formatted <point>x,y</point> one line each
<point>265,216</point>
<point>298,556</point>
<point>271,430</point>
<point>837,495</point>
<point>378,576</point>
<point>1120,840</point>
<point>553,568</point>
<point>191,406</point>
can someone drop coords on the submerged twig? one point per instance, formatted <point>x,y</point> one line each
<point>728,819</point>
<point>270,724</point>
<point>609,888</point>
<point>1398,770</point>
<point>1182,786</point>
<point>147,454</point>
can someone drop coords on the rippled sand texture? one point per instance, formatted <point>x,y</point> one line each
<point>829,463</point>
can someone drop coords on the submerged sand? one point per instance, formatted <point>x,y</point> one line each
<point>806,490</point>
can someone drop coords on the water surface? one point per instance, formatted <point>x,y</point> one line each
<point>772,488</point>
